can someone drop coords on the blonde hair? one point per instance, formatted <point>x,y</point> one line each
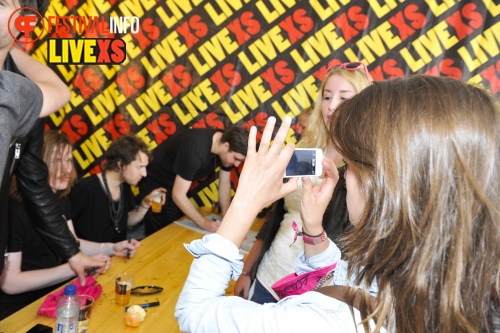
<point>426,151</point>
<point>317,131</point>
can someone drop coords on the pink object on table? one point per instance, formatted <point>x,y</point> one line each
<point>294,284</point>
<point>49,305</point>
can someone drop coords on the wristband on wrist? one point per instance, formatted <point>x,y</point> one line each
<point>245,273</point>
<point>308,239</point>
<point>143,206</point>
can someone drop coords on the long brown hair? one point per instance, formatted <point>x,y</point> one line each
<point>426,151</point>
<point>54,141</point>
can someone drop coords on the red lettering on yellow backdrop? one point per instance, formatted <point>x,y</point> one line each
<point>286,76</point>
<point>162,128</point>
<point>244,27</point>
<point>490,74</point>
<point>148,32</point>
<point>354,14</point>
<point>226,78</point>
<point>117,126</point>
<point>306,24</point>
<point>463,29</point>
<point>211,120</point>
<point>75,122</point>
<point>192,30</point>
<point>87,82</point>
<point>177,79</point>
<point>130,81</point>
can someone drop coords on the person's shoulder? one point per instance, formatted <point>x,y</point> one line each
<point>16,204</point>
<point>84,184</point>
<point>201,136</point>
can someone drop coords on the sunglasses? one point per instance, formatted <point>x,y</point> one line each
<point>352,66</point>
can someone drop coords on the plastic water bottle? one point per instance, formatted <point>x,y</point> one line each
<point>68,308</point>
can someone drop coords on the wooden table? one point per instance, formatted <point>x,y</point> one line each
<point>161,260</point>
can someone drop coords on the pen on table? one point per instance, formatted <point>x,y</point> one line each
<point>91,270</point>
<point>128,250</point>
<point>146,305</point>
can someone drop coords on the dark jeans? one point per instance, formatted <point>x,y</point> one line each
<point>261,295</point>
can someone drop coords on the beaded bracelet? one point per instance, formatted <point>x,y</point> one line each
<point>308,239</point>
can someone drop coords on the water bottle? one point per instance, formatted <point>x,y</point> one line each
<point>68,308</point>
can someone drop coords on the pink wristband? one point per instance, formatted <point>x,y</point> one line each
<point>308,239</point>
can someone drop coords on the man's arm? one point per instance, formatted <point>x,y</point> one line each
<point>224,190</point>
<point>55,92</point>
<point>179,195</point>
<point>20,104</point>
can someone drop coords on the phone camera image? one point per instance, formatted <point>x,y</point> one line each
<point>303,163</point>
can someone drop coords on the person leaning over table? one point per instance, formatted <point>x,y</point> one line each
<point>426,234</point>
<point>103,204</point>
<point>24,156</point>
<point>186,157</point>
<point>272,257</point>
<point>32,268</point>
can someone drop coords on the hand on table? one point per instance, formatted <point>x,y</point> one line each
<point>210,225</point>
<point>242,286</point>
<point>80,262</point>
<point>120,248</point>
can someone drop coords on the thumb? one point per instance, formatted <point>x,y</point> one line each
<point>306,184</point>
<point>81,277</point>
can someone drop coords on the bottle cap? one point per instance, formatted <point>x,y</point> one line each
<point>70,290</point>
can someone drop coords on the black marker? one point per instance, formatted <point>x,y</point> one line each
<point>146,305</point>
<point>128,250</point>
<point>91,270</point>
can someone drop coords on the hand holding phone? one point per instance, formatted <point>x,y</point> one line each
<point>305,162</point>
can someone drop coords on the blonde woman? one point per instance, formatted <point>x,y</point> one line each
<point>271,257</point>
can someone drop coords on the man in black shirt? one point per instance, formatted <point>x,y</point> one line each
<point>184,158</point>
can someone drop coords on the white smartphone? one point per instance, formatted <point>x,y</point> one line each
<point>305,162</point>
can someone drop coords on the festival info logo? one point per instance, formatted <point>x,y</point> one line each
<point>75,50</point>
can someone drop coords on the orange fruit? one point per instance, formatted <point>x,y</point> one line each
<point>132,320</point>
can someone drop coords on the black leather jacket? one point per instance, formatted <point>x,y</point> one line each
<point>25,161</point>
<point>335,220</point>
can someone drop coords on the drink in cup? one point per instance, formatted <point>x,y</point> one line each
<point>86,302</point>
<point>156,206</point>
<point>123,288</point>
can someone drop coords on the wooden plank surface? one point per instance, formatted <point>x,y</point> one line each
<point>161,260</point>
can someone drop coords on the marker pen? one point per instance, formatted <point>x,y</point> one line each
<point>146,305</point>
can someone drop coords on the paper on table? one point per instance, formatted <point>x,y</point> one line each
<point>189,224</point>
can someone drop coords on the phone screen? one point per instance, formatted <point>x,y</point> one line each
<point>302,163</point>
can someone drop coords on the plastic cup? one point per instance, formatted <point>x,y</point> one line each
<point>123,288</point>
<point>156,206</point>
<point>86,302</point>
<point>215,208</point>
